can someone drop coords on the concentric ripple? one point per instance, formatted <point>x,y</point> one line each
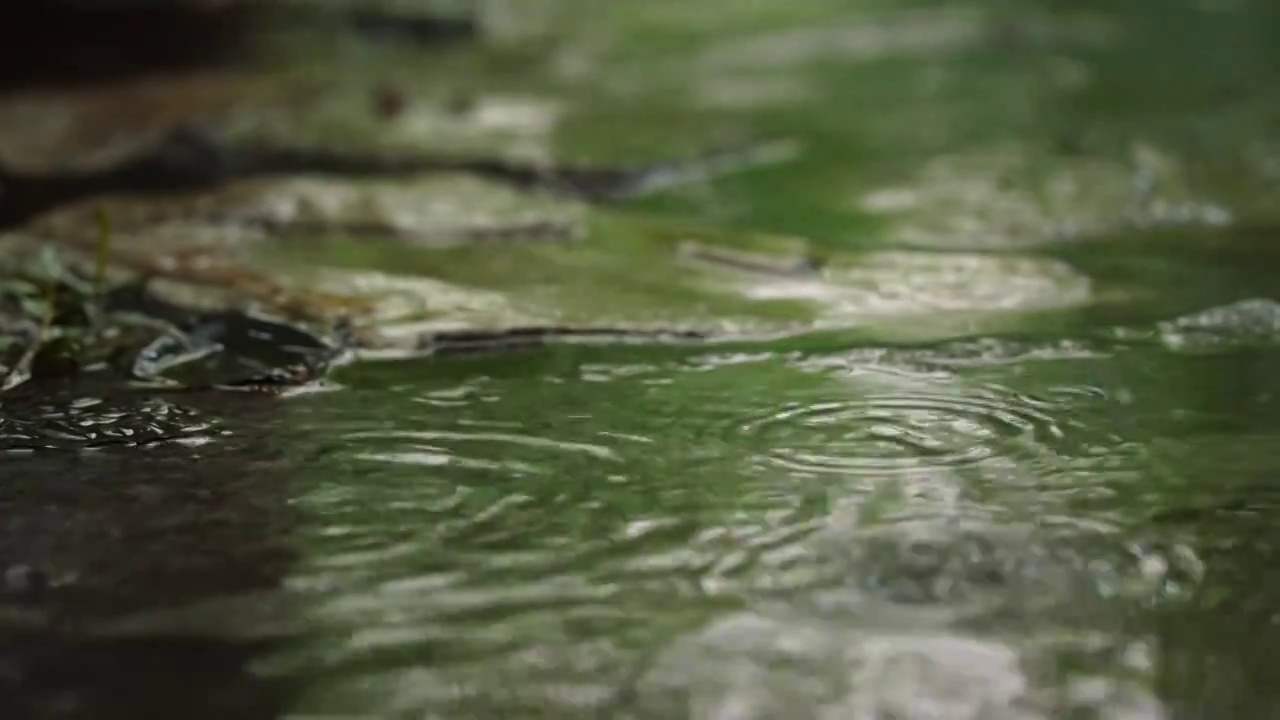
<point>865,533</point>
<point>899,431</point>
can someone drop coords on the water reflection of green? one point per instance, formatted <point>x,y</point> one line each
<point>1154,117</point>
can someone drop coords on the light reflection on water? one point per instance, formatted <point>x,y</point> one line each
<point>888,534</point>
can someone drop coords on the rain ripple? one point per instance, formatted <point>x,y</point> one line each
<point>856,544</point>
<point>900,431</point>
<point>438,448</point>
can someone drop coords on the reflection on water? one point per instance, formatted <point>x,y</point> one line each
<point>985,528</point>
<point>981,529</point>
<point>123,566</point>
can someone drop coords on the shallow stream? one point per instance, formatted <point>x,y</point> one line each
<point>1018,462</point>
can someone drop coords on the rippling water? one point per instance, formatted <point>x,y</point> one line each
<point>981,529</point>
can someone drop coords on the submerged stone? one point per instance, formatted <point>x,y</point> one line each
<point>1253,321</point>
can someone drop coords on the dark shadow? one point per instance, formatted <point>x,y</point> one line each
<point>1216,650</point>
<point>72,43</point>
<point>95,537</point>
<point>1215,644</point>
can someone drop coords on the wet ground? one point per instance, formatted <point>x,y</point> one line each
<point>980,423</point>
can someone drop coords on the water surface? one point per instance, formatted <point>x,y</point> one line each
<point>986,528</point>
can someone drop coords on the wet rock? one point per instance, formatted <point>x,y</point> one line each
<point>1257,316</point>
<point>1008,196</point>
<point>1254,321</point>
<point>227,348</point>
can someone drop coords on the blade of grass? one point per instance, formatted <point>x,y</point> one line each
<point>101,253</point>
<point>21,370</point>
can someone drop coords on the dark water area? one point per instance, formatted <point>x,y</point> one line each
<point>92,538</point>
<point>1060,504</point>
